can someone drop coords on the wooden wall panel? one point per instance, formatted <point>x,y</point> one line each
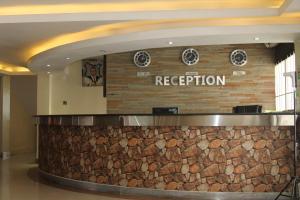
<point>127,93</point>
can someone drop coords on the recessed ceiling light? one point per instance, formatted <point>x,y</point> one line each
<point>48,72</point>
<point>68,58</point>
<point>48,65</point>
<point>170,43</point>
<point>256,38</point>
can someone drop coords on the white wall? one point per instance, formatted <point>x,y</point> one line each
<point>66,85</point>
<point>43,94</point>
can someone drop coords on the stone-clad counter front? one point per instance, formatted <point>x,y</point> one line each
<point>183,158</point>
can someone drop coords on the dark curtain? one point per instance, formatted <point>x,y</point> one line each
<point>283,51</point>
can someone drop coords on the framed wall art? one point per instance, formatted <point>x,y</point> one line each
<point>93,72</point>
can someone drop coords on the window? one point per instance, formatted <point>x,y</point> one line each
<point>284,84</point>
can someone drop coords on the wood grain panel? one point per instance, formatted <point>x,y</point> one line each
<point>127,93</point>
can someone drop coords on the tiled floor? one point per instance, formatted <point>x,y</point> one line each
<point>19,180</point>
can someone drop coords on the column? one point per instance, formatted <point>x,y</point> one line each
<point>4,116</point>
<point>297,57</point>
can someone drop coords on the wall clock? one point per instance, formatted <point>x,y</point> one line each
<point>190,56</point>
<point>238,57</point>
<point>142,59</point>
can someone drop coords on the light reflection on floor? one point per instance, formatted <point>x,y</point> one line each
<point>19,181</point>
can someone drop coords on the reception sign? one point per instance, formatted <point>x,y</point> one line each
<point>199,80</point>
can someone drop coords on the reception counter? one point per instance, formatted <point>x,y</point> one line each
<point>170,155</point>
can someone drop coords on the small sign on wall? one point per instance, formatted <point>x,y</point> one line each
<point>239,73</point>
<point>191,73</point>
<point>143,74</point>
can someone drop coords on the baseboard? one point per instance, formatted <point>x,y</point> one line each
<point>176,194</point>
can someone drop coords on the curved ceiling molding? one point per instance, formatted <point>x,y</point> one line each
<point>133,6</point>
<point>140,26</point>
<point>123,28</point>
<point>10,69</point>
<point>60,32</point>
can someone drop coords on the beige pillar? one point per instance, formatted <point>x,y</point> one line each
<point>4,116</point>
<point>43,94</point>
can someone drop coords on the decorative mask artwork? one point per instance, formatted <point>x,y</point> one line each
<point>92,71</point>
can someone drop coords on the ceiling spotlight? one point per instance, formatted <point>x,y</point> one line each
<point>256,38</point>
<point>48,72</point>
<point>68,58</point>
<point>170,43</point>
<point>48,65</point>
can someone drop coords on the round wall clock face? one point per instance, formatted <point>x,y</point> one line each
<point>238,57</point>
<point>190,56</point>
<point>142,59</point>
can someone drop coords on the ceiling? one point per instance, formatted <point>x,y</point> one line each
<point>35,34</point>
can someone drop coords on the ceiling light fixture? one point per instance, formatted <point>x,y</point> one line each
<point>48,72</point>
<point>68,58</point>
<point>170,42</point>
<point>256,38</point>
<point>48,65</point>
